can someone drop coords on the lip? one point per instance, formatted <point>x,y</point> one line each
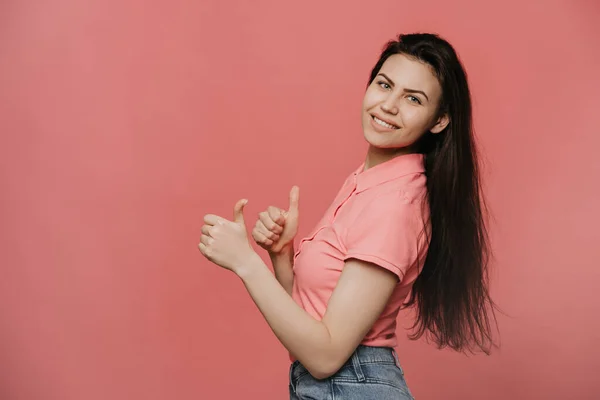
<point>380,128</point>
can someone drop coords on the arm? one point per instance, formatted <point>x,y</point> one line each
<point>322,346</point>
<point>283,265</point>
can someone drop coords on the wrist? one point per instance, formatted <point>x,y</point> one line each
<point>286,252</point>
<point>251,264</point>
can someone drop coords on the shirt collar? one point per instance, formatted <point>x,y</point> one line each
<point>398,166</point>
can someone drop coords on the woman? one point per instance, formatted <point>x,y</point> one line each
<point>406,229</point>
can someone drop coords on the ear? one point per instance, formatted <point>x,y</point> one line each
<point>441,124</point>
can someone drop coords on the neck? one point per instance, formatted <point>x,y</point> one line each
<point>376,156</point>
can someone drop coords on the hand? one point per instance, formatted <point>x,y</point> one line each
<point>224,242</point>
<point>276,228</point>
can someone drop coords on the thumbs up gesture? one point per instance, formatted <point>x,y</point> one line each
<point>224,242</point>
<point>276,228</point>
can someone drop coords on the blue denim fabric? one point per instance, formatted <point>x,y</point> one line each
<point>371,373</point>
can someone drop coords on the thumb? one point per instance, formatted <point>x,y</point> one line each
<point>238,212</point>
<point>294,198</point>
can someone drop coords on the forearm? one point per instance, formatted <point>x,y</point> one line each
<point>283,266</point>
<point>307,339</point>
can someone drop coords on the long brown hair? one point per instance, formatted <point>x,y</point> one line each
<point>450,295</point>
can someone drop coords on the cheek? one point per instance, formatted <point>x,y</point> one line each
<point>370,99</point>
<point>410,116</point>
<point>415,117</point>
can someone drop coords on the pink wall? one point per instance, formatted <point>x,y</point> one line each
<point>124,122</point>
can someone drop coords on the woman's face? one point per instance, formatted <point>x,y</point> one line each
<point>401,104</point>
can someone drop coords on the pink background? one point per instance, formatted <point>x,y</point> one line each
<point>123,122</point>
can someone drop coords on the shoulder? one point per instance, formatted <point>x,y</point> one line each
<point>394,201</point>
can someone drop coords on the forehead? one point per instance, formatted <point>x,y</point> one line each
<point>407,72</point>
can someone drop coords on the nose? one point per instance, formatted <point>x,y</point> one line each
<point>389,106</point>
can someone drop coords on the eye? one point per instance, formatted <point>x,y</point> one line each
<point>414,99</point>
<point>384,85</point>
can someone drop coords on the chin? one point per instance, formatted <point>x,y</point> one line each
<point>382,142</point>
<point>379,143</point>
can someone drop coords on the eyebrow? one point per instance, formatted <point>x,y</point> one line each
<point>406,90</point>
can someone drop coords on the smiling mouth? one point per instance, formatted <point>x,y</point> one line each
<point>384,124</point>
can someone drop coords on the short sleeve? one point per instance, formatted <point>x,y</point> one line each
<point>386,232</point>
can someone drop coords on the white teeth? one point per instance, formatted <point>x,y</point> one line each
<point>384,124</point>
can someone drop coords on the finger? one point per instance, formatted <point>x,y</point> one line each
<point>294,198</point>
<point>260,227</point>
<point>206,230</point>
<point>211,219</point>
<point>268,222</point>
<point>238,212</point>
<point>261,239</point>
<point>277,215</point>
<point>206,240</point>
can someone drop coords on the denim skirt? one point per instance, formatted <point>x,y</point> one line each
<point>370,373</point>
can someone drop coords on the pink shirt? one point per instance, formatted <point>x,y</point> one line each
<point>375,217</point>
